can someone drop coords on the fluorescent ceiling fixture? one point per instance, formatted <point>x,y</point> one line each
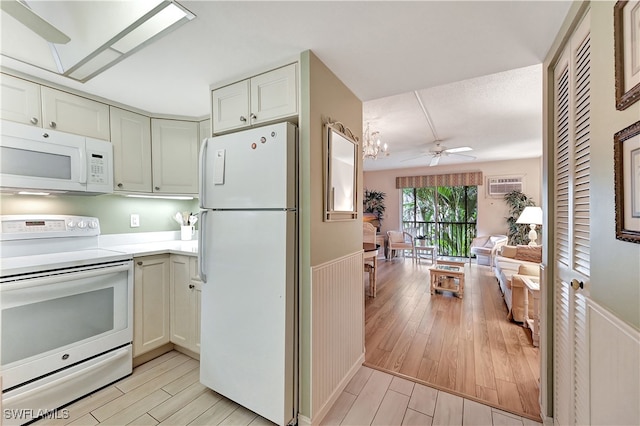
<point>33,193</point>
<point>101,33</point>
<point>163,197</point>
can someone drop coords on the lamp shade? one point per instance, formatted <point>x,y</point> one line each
<point>531,215</point>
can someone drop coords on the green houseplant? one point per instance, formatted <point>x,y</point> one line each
<point>373,202</point>
<point>518,233</point>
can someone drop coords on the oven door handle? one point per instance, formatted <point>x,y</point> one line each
<point>52,279</point>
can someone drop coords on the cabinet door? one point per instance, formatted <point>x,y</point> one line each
<point>181,315</point>
<point>230,107</point>
<point>74,114</point>
<point>151,327</point>
<point>131,139</point>
<point>274,94</point>
<point>174,156</point>
<point>196,304</point>
<point>20,100</point>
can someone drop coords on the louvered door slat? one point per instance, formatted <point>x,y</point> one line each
<point>562,357</point>
<point>581,362</point>
<point>582,160</point>
<point>572,174</point>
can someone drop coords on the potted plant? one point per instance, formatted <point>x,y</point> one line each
<point>373,205</point>
<point>518,233</point>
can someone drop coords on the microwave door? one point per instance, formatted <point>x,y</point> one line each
<point>55,165</point>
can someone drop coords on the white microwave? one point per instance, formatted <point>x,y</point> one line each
<point>32,158</point>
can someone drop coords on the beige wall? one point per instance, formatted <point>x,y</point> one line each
<point>615,265</point>
<point>323,96</point>
<point>491,211</point>
<point>113,210</point>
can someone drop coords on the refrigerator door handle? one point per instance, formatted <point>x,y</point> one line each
<point>201,245</point>
<point>203,180</point>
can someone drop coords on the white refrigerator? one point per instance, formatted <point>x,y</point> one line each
<point>248,266</point>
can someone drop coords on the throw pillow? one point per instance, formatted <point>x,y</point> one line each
<point>529,253</point>
<point>509,251</point>
<point>529,270</point>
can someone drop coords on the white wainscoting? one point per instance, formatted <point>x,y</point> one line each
<point>337,328</point>
<point>614,368</point>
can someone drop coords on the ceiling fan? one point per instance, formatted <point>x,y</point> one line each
<point>439,151</point>
<point>23,14</point>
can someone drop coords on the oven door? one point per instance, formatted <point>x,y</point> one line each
<point>51,321</point>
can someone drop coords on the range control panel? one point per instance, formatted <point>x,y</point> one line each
<point>18,227</point>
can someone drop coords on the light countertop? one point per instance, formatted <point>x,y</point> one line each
<point>188,248</point>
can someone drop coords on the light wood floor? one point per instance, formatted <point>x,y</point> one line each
<point>166,391</point>
<point>465,346</point>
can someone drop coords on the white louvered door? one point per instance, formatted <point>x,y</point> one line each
<point>572,140</point>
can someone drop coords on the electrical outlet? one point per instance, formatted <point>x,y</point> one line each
<point>135,220</point>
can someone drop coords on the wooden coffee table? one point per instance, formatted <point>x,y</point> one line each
<point>447,274</point>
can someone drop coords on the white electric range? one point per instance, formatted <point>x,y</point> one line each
<point>67,313</point>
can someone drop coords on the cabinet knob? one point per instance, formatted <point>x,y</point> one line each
<point>120,185</point>
<point>243,118</point>
<point>52,124</point>
<point>253,116</point>
<point>191,286</point>
<point>139,263</point>
<point>157,188</point>
<point>34,120</point>
<point>575,284</point>
<point>45,135</point>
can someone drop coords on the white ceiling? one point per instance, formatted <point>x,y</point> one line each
<point>475,65</point>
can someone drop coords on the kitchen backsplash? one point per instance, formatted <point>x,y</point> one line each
<point>114,211</point>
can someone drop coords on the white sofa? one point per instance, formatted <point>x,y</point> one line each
<point>514,261</point>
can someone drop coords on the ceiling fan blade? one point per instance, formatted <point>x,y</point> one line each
<point>434,161</point>
<point>459,149</point>
<point>34,22</point>
<point>470,157</point>
<point>415,157</point>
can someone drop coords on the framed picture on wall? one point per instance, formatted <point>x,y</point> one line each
<point>626,29</point>
<point>626,148</point>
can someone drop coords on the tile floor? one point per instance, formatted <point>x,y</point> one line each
<point>377,398</point>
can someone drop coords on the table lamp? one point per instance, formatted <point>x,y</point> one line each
<point>533,216</point>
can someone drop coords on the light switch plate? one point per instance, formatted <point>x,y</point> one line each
<point>135,220</point>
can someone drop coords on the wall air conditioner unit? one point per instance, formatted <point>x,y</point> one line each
<point>497,187</point>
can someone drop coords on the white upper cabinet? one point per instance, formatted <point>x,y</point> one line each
<point>231,107</point>
<point>74,114</point>
<point>131,139</point>
<point>274,94</point>
<point>260,99</point>
<point>20,100</point>
<point>174,156</point>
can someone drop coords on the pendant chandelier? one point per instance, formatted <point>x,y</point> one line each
<point>372,145</point>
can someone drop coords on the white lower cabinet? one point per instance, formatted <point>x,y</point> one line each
<point>151,328</point>
<point>185,302</point>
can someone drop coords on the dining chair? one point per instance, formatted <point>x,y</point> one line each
<point>370,264</point>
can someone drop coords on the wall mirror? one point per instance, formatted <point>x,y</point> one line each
<point>341,172</point>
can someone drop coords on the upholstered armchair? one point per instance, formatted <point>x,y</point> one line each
<point>485,248</point>
<point>398,240</point>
